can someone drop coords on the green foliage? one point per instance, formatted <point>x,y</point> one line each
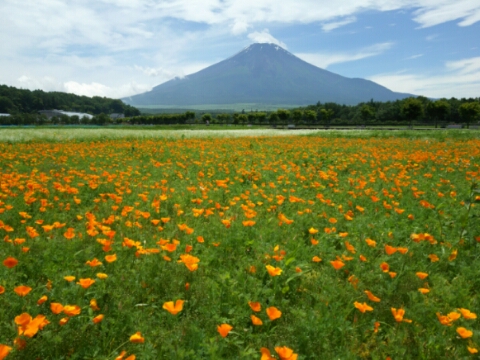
<point>469,111</point>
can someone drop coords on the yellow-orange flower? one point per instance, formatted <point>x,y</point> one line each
<point>93,262</point>
<point>384,266</point>
<point>464,333</point>
<point>316,259</point>
<point>467,314</point>
<point>273,313</point>
<point>424,291</point>
<point>173,309</point>
<point>94,305</point>
<point>86,283</point>
<point>337,264</point>
<point>72,310</point>
<point>69,278</point>
<point>285,353</point>
<point>421,275</point>
<point>256,321</point>
<point>362,307</point>
<point>22,290</point>
<point>98,319</point>
<point>371,296</point>
<point>255,306</point>
<point>390,250</point>
<point>102,276</point>
<point>56,308</point>
<point>137,338</point>
<point>111,258</point>
<point>42,300</point>
<point>273,271</point>
<point>4,351</point>
<point>224,329</point>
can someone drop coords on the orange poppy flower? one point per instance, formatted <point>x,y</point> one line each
<point>102,276</point>
<point>467,314</point>
<point>371,243</point>
<point>398,315</point>
<point>93,305</point>
<point>337,264</point>
<point>255,306</point>
<point>224,329</point>
<point>285,353</point>
<point>464,333</point>
<point>384,266</point>
<point>256,321</point>
<point>42,300</point>
<point>111,258</point>
<point>316,259</point>
<point>423,291</point>
<point>266,355</point>
<point>421,275</point>
<point>191,262</point>
<point>10,262</point>
<point>63,321</point>
<point>56,308</point>
<point>137,338</point>
<point>433,257</point>
<point>390,250</point>
<point>72,310</point>
<point>273,313</point>
<point>273,271</point>
<point>173,309</point>
<point>69,278</point>
<point>312,231</point>
<point>362,307</point>
<point>22,290</point>
<point>2,289</point>
<point>371,296</point>
<point>98,319</point>
<point>85,283</point>
<point>93,262</point>
<point>4,351</point>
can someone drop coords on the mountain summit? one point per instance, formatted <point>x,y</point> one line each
<point>263,74</point>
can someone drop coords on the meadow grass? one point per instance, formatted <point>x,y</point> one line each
<point>342,244</point>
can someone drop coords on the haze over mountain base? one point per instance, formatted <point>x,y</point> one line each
<point>263,74</point>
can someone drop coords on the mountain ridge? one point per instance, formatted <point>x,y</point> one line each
<point>263,73</point>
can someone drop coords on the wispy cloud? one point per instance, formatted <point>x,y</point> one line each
<point>324,60</point>
<point>336,24</point>
<point>414,57</point>
<point>460,78</point>
<point>265,37</point>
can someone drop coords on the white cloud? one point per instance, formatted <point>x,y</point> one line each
<point>239,27</point>
<point>324,60</point>
<point>414,57</point>
<point>265,37</point>
<point>333,25</point>
<point>459,79</point>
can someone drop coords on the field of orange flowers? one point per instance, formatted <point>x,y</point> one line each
<point>300,247</point>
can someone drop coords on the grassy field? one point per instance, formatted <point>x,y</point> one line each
<point>239,244</point>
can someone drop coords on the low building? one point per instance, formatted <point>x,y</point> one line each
<point>51,113</point>
<point>116,116</point>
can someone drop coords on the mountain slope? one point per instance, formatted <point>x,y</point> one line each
<point>263,74</point>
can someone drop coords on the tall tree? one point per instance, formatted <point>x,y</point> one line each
<point>469,111</point>
<point>438,110</point>
<point>412,109</point>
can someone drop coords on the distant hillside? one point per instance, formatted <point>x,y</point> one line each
<point>13,100</point>
<point>263,74</point>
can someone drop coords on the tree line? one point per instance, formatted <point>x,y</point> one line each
<point>21,101</point>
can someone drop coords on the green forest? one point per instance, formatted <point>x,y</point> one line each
<point>21,101</point>
<point>23,105</point>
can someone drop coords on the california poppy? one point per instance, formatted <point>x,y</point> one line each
<point>255,306</point>
<point>362,307</point>
<point>10,262</point>
<point>173,309</point>
<point>273,313</point>
<point>371,296</point>
<point>464,333</point>
<point>97,319</point>
<point>137,338</point>
<point>273,271</point>
<point>256,321</point>
<point>22,290</point>
<point>337,264</point>
<point>72,310</point>
<point>224,329</point>
<point>56,308</point>
<point>86,283</point>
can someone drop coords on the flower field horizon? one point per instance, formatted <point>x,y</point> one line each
<point>228,246</point>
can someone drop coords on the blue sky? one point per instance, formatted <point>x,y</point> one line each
<point>118,48</point>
